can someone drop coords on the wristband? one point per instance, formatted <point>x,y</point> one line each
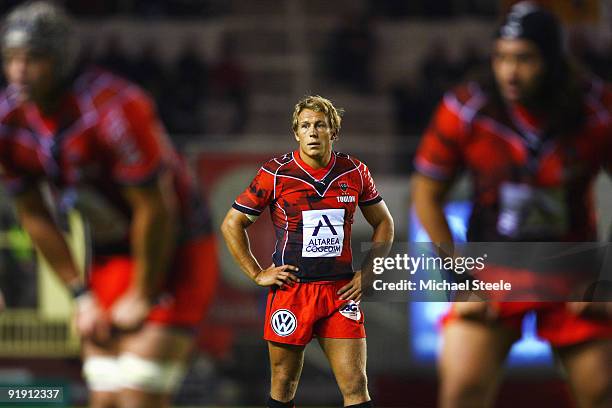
<point>78,290</point>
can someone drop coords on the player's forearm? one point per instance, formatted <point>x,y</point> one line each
<point>51,243</point>
<point>153,240</point>
<point>237,242</point>
<point>428,200</point>
<point>383,232</point>
<point>434,221</point>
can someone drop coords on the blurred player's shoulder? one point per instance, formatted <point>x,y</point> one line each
<point>106,90</point>
<point>10,107</point>
<point>466,100</point>
<point>466,94</point>
<point>598,98</point>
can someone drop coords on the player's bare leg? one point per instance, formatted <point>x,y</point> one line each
<point>153,359</point>
<point>471,362</point>
<point>99,369</point>
<point>589,369</point>
<point>347,358</point>
<point>286,362</point>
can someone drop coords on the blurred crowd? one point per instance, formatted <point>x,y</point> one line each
<point>214,8</point>
<point>192,90</point>
<point>183,89</point>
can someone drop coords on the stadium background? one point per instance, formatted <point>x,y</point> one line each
<point>226,75</point>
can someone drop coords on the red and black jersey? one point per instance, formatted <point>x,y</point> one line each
<point>527,185</point>
<point>312,211</point>
<point>104,135</point>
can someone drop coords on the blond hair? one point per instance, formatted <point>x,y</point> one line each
<point>319,104</point>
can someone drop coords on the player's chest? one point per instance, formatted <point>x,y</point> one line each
<point>65,158</point>
<point>296,196</point>
<point>501,153</point>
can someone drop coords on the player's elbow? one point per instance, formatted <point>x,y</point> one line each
<point>426,192</point>
<point>230,225</point>
<point>387,227</point>
<point>390,227</point>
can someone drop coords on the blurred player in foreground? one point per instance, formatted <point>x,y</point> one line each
<point>312,194</point>
<point>95,139</point>
<point>537,131</point>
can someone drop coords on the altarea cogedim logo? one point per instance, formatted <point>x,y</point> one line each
<point>323,233</point>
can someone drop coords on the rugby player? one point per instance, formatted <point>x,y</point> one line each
<point>537,127</point>
<point>93,141</point>
<point>312,194</point>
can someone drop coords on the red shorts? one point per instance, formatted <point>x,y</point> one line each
<point>294,315</point>
<point>559,326</point>
<point>188,290</point>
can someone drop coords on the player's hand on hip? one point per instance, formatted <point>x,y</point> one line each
<point>595,310</point>
<point>352,290</point>
<point>277,275</point>
<point>130,310</point>
<point>90,320</point>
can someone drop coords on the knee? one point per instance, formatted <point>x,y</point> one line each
<point>103,400</point>
<point>465,392</point>
<point>284,381</point>
<point>354,385</point>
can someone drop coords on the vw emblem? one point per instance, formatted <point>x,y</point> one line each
<point>283,322</point>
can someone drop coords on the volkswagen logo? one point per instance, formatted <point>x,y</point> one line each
<point>283,322</point>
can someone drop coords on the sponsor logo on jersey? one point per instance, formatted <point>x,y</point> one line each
<point>351,310</point>
<point>346,199</point>
<point>283,322</point>
<point>323,233</point>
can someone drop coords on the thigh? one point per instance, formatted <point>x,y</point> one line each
<point>158,342</point>
<point>589,371</point>
<point>187,291</point>
<point>471,361</point>
<point>286,358</point>
<point>190,285</point>
<point>286,362</point>
<point>347,357</point>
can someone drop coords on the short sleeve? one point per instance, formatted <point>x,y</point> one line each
<point>258,195</point>
<point>137,141</point>
<point>369,194</point>
<point>439,153</point>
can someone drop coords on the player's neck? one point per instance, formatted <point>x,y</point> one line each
<point>316,162</point>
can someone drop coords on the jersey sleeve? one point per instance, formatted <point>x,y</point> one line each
<point>257,196</point>
<point>137,141</point>
<point>439,154</point>
<point>369,194</point>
